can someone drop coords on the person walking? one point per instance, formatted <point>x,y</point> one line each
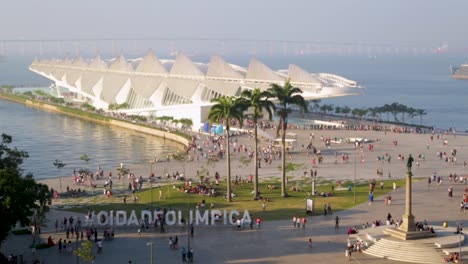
<point>60,245</point>
<point>337,223</point>
<point>184,255</point>
<point>310,242</point>
<point>176,241</point>
<point>99,246</point>
<point>348,254</point>
<point>190,255</point>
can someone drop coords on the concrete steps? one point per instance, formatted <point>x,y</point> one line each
<point>464,251</point>
<point>405,251</point>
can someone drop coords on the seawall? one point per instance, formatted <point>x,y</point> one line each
<point>93,117</point>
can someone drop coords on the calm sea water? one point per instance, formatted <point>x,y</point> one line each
<point>48,136</point>
<point>417,81</point>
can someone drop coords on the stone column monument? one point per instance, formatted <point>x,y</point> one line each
<point>407,229</point>
<point>408,224</point>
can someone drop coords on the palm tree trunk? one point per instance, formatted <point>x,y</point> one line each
<point>283,180</point>
<point>256,160</point>
<point>228,155</point>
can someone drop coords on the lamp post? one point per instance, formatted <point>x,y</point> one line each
<point>356,144</point>
<point>189,222</point>
<point>150,244</point>
<point>151,181</point>
<point>313,182</point>
<point>460,229</point>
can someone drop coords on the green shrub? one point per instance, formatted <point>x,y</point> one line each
<point>57,100</point>
<point>42,246</point>
<point>88,107</point>
<point>22,232</point>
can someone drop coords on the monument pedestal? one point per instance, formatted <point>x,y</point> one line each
<point>407,230</point>
<point>408,235</point>
<point>408,223</point>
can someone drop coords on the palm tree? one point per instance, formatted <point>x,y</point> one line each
<point>379,111</point>
<point>420,113</point>
<point>323,109</point>
<point>258,101</point>
<point>395,109</point>
<point>286,95</point>
<point>346,110</point>
<point>362,112</point>
<point>403,109</point>
<point>411,113</point>
<point>225,110</point>
<point>315,104</point>
<point>330,108</point>
<point>187,123</point>
<point>386,109</point>
<point>372,111</point>
<point>338,110</point>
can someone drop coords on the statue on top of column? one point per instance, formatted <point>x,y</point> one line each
<point>409,163</point>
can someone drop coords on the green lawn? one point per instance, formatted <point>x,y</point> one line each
<point>276,208</point>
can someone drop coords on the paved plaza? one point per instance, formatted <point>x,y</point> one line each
<point>275,242</point>
<point>279,241</point>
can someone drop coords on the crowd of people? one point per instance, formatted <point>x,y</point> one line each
<point>214,147</point>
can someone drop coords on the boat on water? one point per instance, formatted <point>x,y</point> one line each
<point>460,72</point>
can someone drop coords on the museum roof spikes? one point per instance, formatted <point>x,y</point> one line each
<point>98,63</point>
<point>79,62</point>
<point>297,74</point>
<point>145,85</point>
<point>150,64</point>
<point>121,64</point>
<point>65,62</point>
<point>184,66</point>
<point>218,67</point>
<point>259,71</point>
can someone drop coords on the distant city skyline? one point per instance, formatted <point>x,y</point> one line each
<point>169,47</point>
<point>296,27</point>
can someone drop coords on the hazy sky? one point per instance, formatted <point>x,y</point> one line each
<point>414,22</point>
